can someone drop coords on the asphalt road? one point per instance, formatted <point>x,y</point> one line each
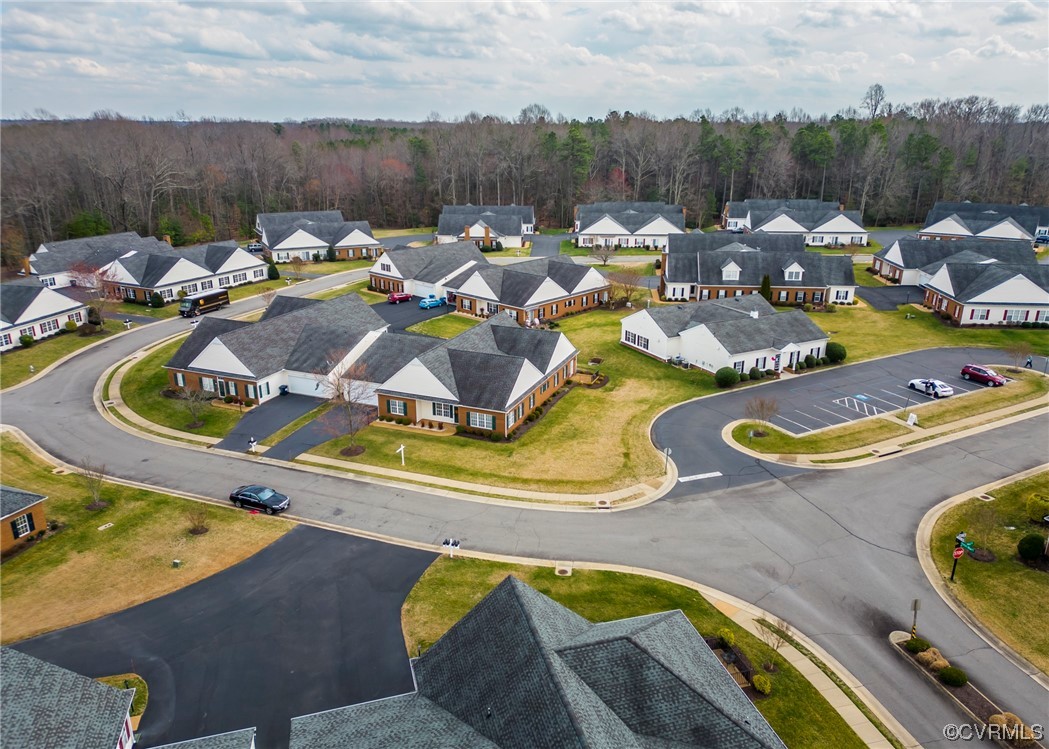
<point>830,551</point>
<point>547,245</point>
<point>270,417</point>
<point>310,623</point>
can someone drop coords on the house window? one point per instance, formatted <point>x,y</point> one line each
<point>1014,315</point>
<point>30,331</point>
<point>467,303</point>
<point>23,525</point>
<point>240,278</point>
<point>128,292</point>
<point>208,384</point>
<point>76,317</point>
<point>480,421</point>
<point>544,387</point>
<point>259,273</point>
<point>816,239</point>
<point>738,292</point>
<point>817,296</point>
<point>705,294</point>
<point>531,401</point>
<point>399,408</point>
<point>738,366</point>
<point>1041,315</point>
<point>815,352</point>
<point>793,275</point>
<point>981,314</point>
<point>557,379</point>
<point>180,379</point>
<point>553,310</point>
<point>799,296</point>
<point>841,295</point>
<point>191,288</point>
<point>857,240</point>
<point>782,296</point>
<point>224,281</point>
<point>519,412</point>
<point>569,303</point>
<point>385,267</point>
<point>492,308</point>
<point>49,281</point>
<point>442,409</point>
<point>267,388</point>
<point>729,275</point>
<point>943,303</point>
<point>251,391</point>
<point>630,337</point>
<point>760,363</point>
<point>48,326</point>
<point>232,387</point>
<point>205,285</point>
<point>721,293</point>
<point>595,297</point>
<point>642,342</point>
<point>5,340</point>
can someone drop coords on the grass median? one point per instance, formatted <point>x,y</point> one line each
<point>383,233</point>
<point>445,326</point>
<point>1026,386</point>
<point>15,364</point>
<point>1005,595</point>
<point>857,434</point>
<point>81,573</point>
<point>450,588</point>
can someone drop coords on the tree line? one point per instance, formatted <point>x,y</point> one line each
<point>206,180</point>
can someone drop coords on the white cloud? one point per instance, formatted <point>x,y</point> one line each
<point>783,43</point>
<point>1018,11</point>
<point>90,68</point>
<point>904,59</point>
<point>230,43</point>
<point>214,72</point>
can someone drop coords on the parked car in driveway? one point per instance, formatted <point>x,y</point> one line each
<point>983,375</point>
<point>432,301</point>
<point>255,247</point>
<point>935,388</point>
<point>260,498</point>
<point>396,297</point>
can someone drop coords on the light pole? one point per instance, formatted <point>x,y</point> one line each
<point>666,462</point>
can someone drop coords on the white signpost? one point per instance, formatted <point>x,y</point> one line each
<point>401,451</point>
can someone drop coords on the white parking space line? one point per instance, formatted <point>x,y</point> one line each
<point>784,418</point>
<point>843,418</point>
<point>698,476</point>
<point>902,402</point>
<point>809,416</point>
<point>917,392</point>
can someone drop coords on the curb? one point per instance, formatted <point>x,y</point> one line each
<point>923,546</point>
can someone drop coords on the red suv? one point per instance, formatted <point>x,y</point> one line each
<point>984,375</point>
<point>398,296</point>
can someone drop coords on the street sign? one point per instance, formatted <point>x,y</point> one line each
<point>959,553</point>
<point>969,545</point>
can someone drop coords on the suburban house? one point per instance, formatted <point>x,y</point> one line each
<point>737,270</point>
<point>487,224</point>
<point>532,291</point>
<point>243,739</point>
<point>488,378</point>
<point>985,221</point>
<point>739,332</point>
<point>72,261</point>
<point>699,241</point>
<point>820,222</point>
<point>297,344</point>
<point>21,515</point>
<point>48,706</point>
<point>904,259</point>
<point>37,311</point>
<point>520,670</point>
<point>625,224</point>
<point>421,271</point>
<point>193,269</point>
<point>989,293</point>
<point>311,235</point>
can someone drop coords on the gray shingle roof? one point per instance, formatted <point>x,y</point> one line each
<point>980,216</point>
<point>207,330</point>
<point>282,305</point>
<point>819,271</point>
<point>672,320</point>
<point>15,299</point>
<point>93,252</point>
<point>148,268</point>
<point>232,740</point>
<point>515,284</point>
<point>765,332</point>
<point>327,233</point>
<point>48,706</point>
<point>810,219</point>
<point>917,253</point>
<point>969,280</point>
<point>433,262</point>
<point>521,671</point>
<point>392,351</point>
<point>632,216</point>
<point>14,500</point>
<point>525,212</point>
<point>761,207</point>
<point>274,222</point>
<point>703,241</point>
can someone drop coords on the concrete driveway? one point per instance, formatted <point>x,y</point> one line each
<point>401,316</point>
<point>310,623</point>
<point>271,416</point>
<point>888,298</point>
<point>547,245</point>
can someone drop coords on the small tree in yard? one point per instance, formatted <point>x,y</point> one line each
<point>195,402</point>
<point>626,285</point>
<point>93,477</point>
<point>198,520</point>
<point>346,387</point>
<point>297,266</point>
<point>836,352</point>
<point>762,410</point>
<point>775,637</point>
<point>272,273</point>
<point>603,253</point>
<point>1018,351</point>
<point>156,301</point>
<point>102,288</point>
<point>268,296</point>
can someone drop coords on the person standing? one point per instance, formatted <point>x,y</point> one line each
<point>1030,361</point>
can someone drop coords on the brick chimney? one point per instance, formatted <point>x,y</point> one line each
<point>488,235</point>
<point>167,238</point>
<point>25,265</point>
<point>841,206</point>
<point>466,233</point>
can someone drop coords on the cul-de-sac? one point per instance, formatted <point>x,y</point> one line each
<point>524,375</point>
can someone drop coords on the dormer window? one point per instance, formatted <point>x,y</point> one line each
<point>730,274</point>
<point>793,275</point>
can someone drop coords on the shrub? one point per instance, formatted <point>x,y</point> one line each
<point>156,301</point>
<point>495,437</point>
<point>938,665</point>
<point>756,374</point>
<point>744,377</point>
<point>1031,546</point>
<point>658,264</point>
<point>810,361</point>
<point>726,377</point>
<point>807,307</point>
<point>824,361</point>
<point>762,683</point>
<point>249,401</point>
<point>836,352</point>
<point>371,287</point>
<point>331,254</point>
<point>316,257</point>
<point>25,341</point>
<point>182,294</point>
<point>404,422</point>
<point>70,325</point>
<point>727,637</point>
<point>953,677</point>
<point>1037,507</point>
<point>1025,324</point>
<point>88,329</point>
<point>228,399</point>
<point>273,274</point>
<point>770,372</point>
<point>929,656</point>
<point>800,366</point>
<point>917,645</point>
<point>94,317</point>
<point>832,307</point>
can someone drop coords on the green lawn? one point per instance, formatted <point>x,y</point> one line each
<point>606,428</point>
<point>294,426</point>
<point>130,681</point>
<point>382,233</point>
<point>511,252</point>
<point>254,289</point>
<point>357,287</point>
<point>445,326</point>
<point>568,248</point>
<point>117,312</point>
<point>141,389</point>
<point>863,278</point>
<point>450,588</point>
<point>326,267</point>
<point>1027,386</point>
<point>544,230</point>
<point>82,573</point>
<point>845,437</point>
<point>1006,595</point>
<point>868,333</point>
<point>14,364</point>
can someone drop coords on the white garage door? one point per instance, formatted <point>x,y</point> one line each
<point>423,289</point>
<point>304,385</point>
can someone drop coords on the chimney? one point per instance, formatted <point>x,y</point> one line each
<point>841,206</point>
<point>487,235</point>
<point>466,233</point>
<point>167,238</point>
<point>754,314</point>
<point>25,265</point>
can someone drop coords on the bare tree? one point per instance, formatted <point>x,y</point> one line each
<point>762,410</point>
<point>101,285</point>
<point>268,296</point>
<point>197,516</point>
<point>775,634</point>
<point>93,476</point>
<point>347,388</point>
<point>626,285</point>
<point>196,402</point>
<point>1018,351</point>
<point>872,100</point>
<point>297,266</point>
<point>604,253</point>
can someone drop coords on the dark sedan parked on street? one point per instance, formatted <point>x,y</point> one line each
<point>260,498</point>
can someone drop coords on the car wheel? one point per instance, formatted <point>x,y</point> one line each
<point>988,384</point>
<point>912,386</point>
<point>936,396</point>
<point>965,376</point>
<point>269,510</point>
<point>237,503</point>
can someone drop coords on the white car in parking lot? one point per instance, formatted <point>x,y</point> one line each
<point>935,388</point>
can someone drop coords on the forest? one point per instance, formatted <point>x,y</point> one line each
<point>197,181</point>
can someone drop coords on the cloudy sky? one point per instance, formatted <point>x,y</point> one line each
<point>403,60</point>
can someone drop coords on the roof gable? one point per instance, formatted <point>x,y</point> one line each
<point>14,500</point>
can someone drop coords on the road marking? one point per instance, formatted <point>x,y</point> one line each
<point>893,403</point>
<point>699,476</point>
<point>859,407</point>
<point>804,428</point>
<point>808,416</point>
<point>843,418</point>
<point>916,391</point>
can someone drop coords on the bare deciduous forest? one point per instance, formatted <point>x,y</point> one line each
<point>206,180</point>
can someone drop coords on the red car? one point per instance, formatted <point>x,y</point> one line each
<point>398,296</point>
<point>984,375</point>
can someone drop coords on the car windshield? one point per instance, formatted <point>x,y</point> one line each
<point>185,304</point>
<point>990,371</point>
<point>264,493</point>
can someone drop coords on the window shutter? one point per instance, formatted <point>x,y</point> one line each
<point>14,528</point>
<point>972,314</point>
<point>1027,315</point>
<point>32,525</point>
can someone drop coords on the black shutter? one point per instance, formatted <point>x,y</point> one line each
<point>14,528</point>
<point>32,525</point>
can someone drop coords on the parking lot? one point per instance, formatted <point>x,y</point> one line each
<point>812,405</point>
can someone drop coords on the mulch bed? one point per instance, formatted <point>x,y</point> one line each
<point>351,451</point>
<point>600,382</point>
